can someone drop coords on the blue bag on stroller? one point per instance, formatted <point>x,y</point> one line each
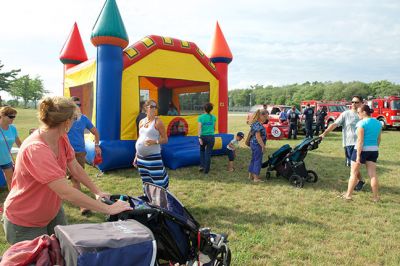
<point>289,163</point>
<point>178,235</point>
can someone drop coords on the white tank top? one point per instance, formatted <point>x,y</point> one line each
<point>145,133</point>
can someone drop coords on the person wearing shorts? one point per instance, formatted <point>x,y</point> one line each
<point>231,150</point>
<point>366,151</point>
<point>348,121</point>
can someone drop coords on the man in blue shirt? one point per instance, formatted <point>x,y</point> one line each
<point>77,140</point>
<point>283,116</point>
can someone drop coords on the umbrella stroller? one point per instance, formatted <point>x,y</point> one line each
<point>289,163</point>
<point>178,235</point>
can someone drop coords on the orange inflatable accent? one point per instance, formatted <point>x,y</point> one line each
<point>219,46</point>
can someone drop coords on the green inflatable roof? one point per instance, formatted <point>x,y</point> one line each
<point>109,24</point>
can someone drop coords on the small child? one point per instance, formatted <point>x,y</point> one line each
<point>231,150</point>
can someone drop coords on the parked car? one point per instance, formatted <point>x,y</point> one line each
<point>273,127</point>
<point>252,111</point>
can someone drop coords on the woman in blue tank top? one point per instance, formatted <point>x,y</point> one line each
<point>9,136</point>
<point>366,151</point>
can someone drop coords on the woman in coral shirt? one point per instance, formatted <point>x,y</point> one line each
<point>34,205</point>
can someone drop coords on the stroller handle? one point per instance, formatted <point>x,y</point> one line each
<point>107,201</point>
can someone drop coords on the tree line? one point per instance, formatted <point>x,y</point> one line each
<point>23,88</point>
<point>293,94</point>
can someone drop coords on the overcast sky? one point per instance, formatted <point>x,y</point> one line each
<point>273,42</point>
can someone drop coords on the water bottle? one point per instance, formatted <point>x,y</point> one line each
<point>140,205</point>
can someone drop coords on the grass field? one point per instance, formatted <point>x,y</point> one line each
<point>272,223</point>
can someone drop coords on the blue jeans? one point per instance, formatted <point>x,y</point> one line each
<point>256,159</point>
<point>205,152</point>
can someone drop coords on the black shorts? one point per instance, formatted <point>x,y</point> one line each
<point>366,156</point>
<point>231,154</point>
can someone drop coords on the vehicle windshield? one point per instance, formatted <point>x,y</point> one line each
<point>337,108</point>
<point>395,105</point>
<point>255,108</point>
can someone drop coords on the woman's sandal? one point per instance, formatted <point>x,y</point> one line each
<point>343,196</point>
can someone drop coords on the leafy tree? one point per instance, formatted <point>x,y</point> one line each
<point>293,94</point>
<point>28,89</point>
<point>7,77</point>
<point>37,90</point>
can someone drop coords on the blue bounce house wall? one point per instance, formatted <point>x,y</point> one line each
<point>178,152</point>
<point>108,93</point>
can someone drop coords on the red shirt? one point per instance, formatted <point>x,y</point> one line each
<point>31,203</point>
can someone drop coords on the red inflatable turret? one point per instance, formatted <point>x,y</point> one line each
<point>73,52</point>
<point>221,56</point>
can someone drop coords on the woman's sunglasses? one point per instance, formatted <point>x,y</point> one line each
<point>152,106</point>
<point>11,116</point>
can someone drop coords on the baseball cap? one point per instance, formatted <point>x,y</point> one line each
<point>240,134</point>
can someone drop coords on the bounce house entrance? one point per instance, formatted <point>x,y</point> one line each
<point>175,97</point>
<point>85,94</point>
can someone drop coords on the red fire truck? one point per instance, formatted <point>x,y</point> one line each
<point>334,109</point>
<point>386,110</point>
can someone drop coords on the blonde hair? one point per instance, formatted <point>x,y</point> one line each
<point>149,102</point>
<point>53,111</point>
<point>7,110</point>
<point>257,115</point>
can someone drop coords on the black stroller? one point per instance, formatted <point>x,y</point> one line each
<point>289,163</point>
<point>178,235</point>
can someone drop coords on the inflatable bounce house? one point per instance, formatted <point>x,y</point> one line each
<point>164,69</point>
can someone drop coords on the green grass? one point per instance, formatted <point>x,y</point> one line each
<point>273,223</point>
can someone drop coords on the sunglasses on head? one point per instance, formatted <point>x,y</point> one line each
<point>11,116</point>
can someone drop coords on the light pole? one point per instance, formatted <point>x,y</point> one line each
<point>250,99</point>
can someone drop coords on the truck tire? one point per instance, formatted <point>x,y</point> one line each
<point>383,123</point>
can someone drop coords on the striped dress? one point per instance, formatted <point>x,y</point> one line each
<point>149,162</point>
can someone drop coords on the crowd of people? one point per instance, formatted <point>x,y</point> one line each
<point>361,138</point>
<point>37,183</point>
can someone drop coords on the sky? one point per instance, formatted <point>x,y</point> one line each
<point>273,42</point>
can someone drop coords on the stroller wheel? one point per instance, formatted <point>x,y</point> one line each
<point>296,181</point>
<point>223,257</point>
<point>268,175</point>
<point>312,176</point>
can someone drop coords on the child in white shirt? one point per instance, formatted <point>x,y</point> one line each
<point>231,150</point>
